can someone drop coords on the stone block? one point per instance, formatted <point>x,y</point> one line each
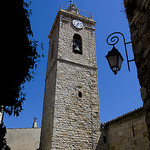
<point>134,35</point>
<point>143,3</point>
<point>147,5</point>
<point>146,52</point>
<point>138,48</point>
<point>134,19</point>
<point>142,30</point>
<point>144,93</point>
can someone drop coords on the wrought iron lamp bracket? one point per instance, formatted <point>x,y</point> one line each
<point>113,39</point>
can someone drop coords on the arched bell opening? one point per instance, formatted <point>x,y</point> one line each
<point>77,44</point>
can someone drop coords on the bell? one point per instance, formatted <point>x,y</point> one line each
<point>76,49</point>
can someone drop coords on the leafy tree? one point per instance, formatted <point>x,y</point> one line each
<point>21,53</point>
<point>20,57</point>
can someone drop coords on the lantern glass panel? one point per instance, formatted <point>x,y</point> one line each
<point>112,60</point>
<point>120,60</point>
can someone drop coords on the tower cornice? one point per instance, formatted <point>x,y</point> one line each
<point>73,16</point>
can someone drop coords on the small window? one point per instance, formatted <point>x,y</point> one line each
<point>80,94</point>
<point>133,131</point>
<point>77,44</point>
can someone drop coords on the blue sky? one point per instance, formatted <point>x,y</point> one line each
<point>117,94</point>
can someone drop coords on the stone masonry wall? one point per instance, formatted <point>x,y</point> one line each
<point>138,14</point>
<point>48,113</point>
<point>71,121</point>
<point>67,31</point>
<point>73,127</point>
<point>49,96</point>
<point>128,132</point>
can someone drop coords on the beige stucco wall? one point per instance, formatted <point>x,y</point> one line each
<point>23,139</point>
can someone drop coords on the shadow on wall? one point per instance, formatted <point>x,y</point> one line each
<point>103,140</point>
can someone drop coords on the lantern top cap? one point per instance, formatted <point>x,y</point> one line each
<point>113,52</point>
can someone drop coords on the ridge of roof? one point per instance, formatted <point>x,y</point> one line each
<point>122,116</point>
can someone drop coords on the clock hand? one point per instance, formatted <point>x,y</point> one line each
<point>77,24</point>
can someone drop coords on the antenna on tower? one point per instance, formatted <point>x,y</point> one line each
<point>72,7</point>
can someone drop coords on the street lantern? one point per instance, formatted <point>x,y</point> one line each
<point>115,60</point>
<point>114,57</point>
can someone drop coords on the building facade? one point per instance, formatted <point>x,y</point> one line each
<point>23,138</point>
<point>138,14</point>
<point>126,132</point>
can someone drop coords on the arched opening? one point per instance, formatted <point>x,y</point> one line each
<point>77,44</point>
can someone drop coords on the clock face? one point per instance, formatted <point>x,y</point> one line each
<point>77,23</point>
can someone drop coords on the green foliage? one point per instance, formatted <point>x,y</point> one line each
<point>21,55</point>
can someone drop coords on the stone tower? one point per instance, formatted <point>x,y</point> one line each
<point>71,118</point>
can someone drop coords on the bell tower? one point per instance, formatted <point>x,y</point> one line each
<point>71,118</point>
